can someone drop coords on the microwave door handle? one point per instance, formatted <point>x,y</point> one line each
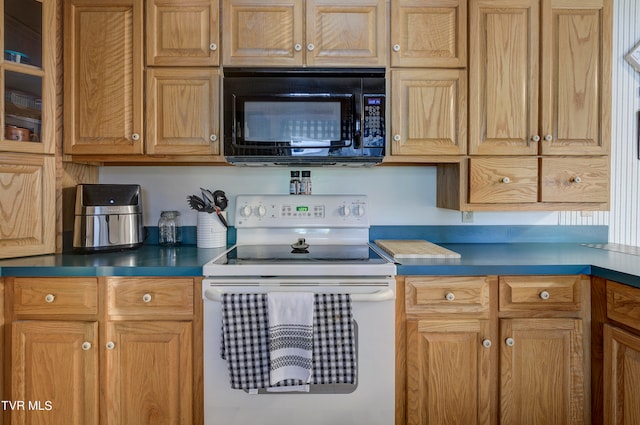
<point>357,135</point>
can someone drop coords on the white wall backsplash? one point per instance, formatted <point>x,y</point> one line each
<point>397,195</point>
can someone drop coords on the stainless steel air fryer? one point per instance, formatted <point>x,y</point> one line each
<point>108,217</point>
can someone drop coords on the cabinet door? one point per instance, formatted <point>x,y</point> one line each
<point>576,77</point>
<point>542,372</point>
<point>103,72</point>
<point>346,33</point>
<point>182,32</point>
<point>448,372</point>
<point>621,377</point>
<point>429,112</point>
<point>182,111</point>
<point>54,370</point>
<point>149,373</point>
<point>503,77</point>
<point>262,33</point>
<point>429,34</point>
<point>27,205</point>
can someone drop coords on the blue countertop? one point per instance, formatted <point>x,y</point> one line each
<point>514,250</point>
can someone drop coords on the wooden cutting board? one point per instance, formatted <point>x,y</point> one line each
<point>415,249</point>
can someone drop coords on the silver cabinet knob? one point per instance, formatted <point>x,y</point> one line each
<point>450,296</point>
<point>146,298</point>
<point>535,138</point>
<point>49,298</point>
<point>213,47</point>
<point>486,343</point>
<point>297,47</point>
<point>310,47</point>
<point>576,179</point>
<point>506,180</point>
<point>396,47</point>
<point>86,345</point>
<point>396,138</point>
<point>510,342</point>
<point>213,138</point>
<point>548,138</point>
<point>544,295</point>
<point>135,136</point>
<point>110,345</point>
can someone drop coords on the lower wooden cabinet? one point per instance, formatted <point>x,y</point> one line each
<point>621,377</point>
<point>490,350</point>
<point>112,351</point>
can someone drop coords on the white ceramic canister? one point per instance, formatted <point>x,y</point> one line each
<point>211,233</point>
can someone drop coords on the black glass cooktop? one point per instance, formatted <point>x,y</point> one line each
<point>271,254</point>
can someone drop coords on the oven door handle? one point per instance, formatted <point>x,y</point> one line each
<point>385,294</point>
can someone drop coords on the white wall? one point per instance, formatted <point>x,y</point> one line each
<point>399,195</point>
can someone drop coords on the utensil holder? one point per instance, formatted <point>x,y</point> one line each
<point>211,233</point>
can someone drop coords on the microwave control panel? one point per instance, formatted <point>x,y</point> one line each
<point>373,125</point>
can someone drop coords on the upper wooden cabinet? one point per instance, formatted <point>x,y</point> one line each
<point>540,77</point>
<point>28,72</point>
<point>297,32</point>
<point>182,32</point>
<point>429,33</point>
<point>103,65</point>
<point>428,114</point>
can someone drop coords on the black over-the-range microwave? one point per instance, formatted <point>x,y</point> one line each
<point>304,116</point>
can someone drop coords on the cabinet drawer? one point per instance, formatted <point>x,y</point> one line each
<point>464,294</point>
<point>55,296</point>
<point>575,179</point>
<point>503,180</point>
<point>531,293</point>
<point>150,297</point>
<point>623,304</point>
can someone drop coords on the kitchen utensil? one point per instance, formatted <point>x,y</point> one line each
<point>221,217</point>
<point>220,199</point>
<point>208,197</point>
<point>210,200</point>
<point>198,204</point>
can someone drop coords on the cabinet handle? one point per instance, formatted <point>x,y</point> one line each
<point>213,47</point>
<point>486,343</point>
<point>213,138</point>
<point>548,138</point>
<point>297,47</point>
<point>49,298</point>
<point>545,295</point>
<point>310,47</point>
<point>146,298</point>
<point>396,138</point>
<point>510,342</point>
<point>396,47</point>
<point>110,345</point>
<point>86,345</point>
<point>135,136</point>
<point>576,179</point>
<point>450,296</point>
<point>506,180</point>
<point>535,138</point>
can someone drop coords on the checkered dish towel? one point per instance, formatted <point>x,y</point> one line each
<point>245,341</point>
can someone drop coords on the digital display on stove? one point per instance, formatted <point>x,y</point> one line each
<point>302,208</point>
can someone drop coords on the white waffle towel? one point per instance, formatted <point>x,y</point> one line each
<point>290,335</point>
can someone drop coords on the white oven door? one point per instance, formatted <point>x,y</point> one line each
<point>371,402</point>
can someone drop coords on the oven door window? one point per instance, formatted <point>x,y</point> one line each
<point>303,125</point>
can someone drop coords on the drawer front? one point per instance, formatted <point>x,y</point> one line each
<point>55,296</point>
<point>531,293</point>
<point>436,295</point>
<point>575,179</point>
<point>150,297</point>
<point>623,304</point>
<point>503,180</point>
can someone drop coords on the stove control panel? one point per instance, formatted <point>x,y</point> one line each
<point>301,211</point>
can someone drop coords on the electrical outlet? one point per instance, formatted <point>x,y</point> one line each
<point>467,216</point>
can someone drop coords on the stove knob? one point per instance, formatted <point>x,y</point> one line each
<point>261,211</point>
<point>359,210</point>
<point>245,211</point>
<point>345,211</point>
